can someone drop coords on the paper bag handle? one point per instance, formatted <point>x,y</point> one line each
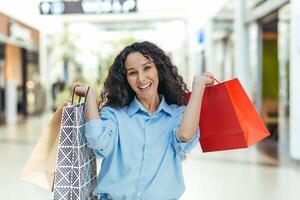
<point>73,94</point>
<point>216,80</point>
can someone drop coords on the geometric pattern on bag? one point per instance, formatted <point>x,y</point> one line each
<point>76,172</point>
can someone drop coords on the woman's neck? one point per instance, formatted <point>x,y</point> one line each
<point>150,105</point>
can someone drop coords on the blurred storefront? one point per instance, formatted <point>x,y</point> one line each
<point>19,70</point>
<point>253,40</point>
<point>70,54</point>
<point>2,82</point>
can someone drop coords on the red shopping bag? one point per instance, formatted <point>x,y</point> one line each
<point>228,118</point>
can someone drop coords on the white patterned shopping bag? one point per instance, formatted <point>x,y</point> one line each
<point>75,175</point>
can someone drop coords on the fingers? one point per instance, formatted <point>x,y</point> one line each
<point>210,76</point>
<point>76,84</point>
<point>80,89</point>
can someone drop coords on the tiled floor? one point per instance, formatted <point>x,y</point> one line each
<point>245,174</point>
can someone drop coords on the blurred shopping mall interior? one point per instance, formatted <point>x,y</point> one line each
<point>46,45</point>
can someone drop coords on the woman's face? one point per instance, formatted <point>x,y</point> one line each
<point>142,75</point>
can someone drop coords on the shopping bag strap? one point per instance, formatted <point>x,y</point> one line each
<point>216,80</point>
<point>73,94</point>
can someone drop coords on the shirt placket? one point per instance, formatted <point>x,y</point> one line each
<point>146,160</point>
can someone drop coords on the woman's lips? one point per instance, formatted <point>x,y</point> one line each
<point>145,87</point>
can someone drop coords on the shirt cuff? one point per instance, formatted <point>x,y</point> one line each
<point>183,147</point>
<point>98,135</point>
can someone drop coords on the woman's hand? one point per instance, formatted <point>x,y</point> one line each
<point>90,101</point>
<point>206,79</point>
<point>80,89</point>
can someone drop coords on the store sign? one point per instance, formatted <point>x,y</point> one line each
<point>87,7</point>
<point>201,36</point>
<point>19,32</point>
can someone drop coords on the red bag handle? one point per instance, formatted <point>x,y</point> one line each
<point>215,80</point>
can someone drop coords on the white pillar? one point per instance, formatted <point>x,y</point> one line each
<point>45,71</point>
<point>11,102</point>
<point>209,47</point>
<point>241,40</point>
<point>294,80</point>
<point>193,67</point>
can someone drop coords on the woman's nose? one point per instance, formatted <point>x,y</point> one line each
<point>141,78</point>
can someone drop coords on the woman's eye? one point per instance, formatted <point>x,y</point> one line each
<point>147,67</point>
<point>131,73</point>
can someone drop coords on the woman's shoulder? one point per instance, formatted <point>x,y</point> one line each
<point>177,109</point>
<point>113,110</point>
<point>110,109</point>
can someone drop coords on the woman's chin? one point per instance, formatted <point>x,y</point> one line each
<point>146,96</point>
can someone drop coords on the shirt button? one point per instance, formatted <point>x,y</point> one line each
<point>179,148</point>
<point>146,166</point>
<point>138,194</point>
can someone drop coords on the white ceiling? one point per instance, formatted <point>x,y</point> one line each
<point>194,10</point>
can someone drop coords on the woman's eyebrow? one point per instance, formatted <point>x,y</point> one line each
<point>143,64</point>
<point>148,62</point>
<point>130,68</point>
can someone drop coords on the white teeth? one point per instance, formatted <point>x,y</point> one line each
<point>145,86</point>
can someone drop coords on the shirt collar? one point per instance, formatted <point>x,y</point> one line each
<point>135,106</point>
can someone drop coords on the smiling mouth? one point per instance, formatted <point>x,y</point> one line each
<point>145,87</point>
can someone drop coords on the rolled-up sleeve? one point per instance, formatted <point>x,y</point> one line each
<point>181,147</point>
<point>101,133</point>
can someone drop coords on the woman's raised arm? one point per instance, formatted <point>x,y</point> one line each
<point>190,122</point>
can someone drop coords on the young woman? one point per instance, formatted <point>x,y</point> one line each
<point>144,128</point>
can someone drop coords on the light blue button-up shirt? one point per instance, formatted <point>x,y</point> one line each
<point>141,152</point>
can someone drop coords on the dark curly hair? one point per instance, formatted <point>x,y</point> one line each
<point>117,91</point>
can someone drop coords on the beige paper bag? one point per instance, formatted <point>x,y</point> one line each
<point>41,164</point>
